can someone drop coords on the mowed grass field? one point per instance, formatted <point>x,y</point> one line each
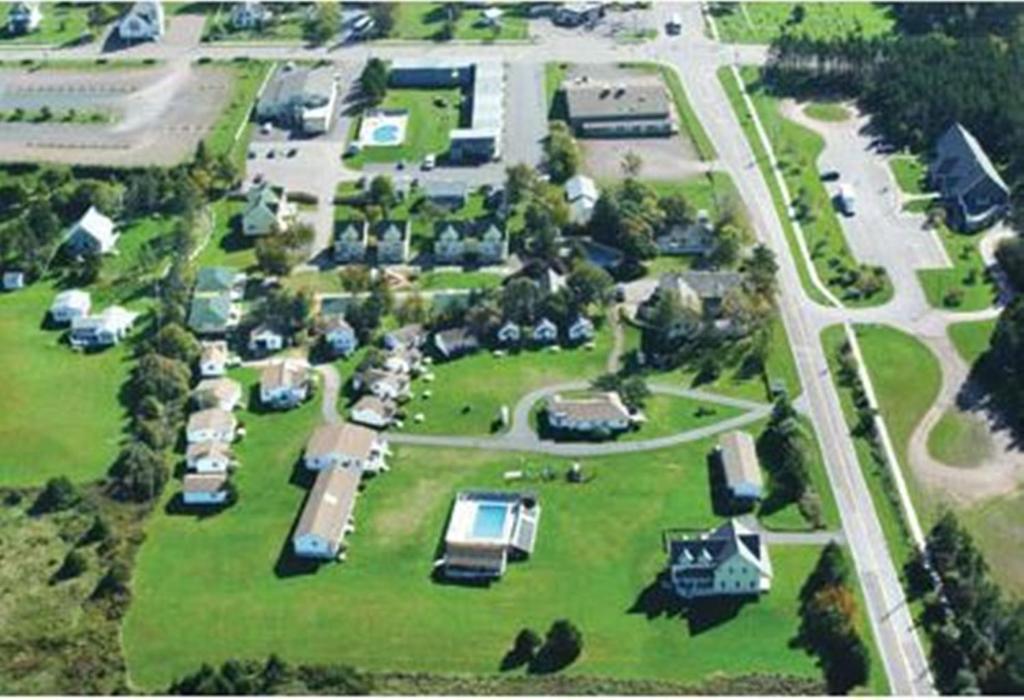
<point>468,393</point>
<point>763,22</point>
<point>61,415</point>
<point>971,338</point>
<point>207,589</point>
<point>61,23</point>
<point>433,113</point>
<point>965,286</point>
<point>425,20</point>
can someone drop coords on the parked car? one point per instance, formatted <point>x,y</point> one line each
<point>271,153</point>
<point>266,128</point>
<point>829,176</point>
<point>292,152</point>
<point>429,162</point>
<point>846,199</point>
<point>674,25</point>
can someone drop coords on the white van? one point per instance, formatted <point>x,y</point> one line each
<point>847,199</point>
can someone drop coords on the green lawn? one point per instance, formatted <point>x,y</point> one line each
<point>997,526</point>
<point>228,246</point>
<point>598,551</point>
<point>960,439</point>
<point>910,173</point>
<point>688,119</point>
<point>554,75</point>
<point>883,494</point>
<point>733,90</point>
<point>971,338</point>
<point>230,133</point>
<point>763,22</point>
<point>425,20</point>
<point>485,383</point>
<point>827,111</point>
<point>797,150</point>
<point>907,377</point>
<point>62,415</point>
<point>61,24</point>
<point>963,287</point>
<point>459,280</point>
<point>432,115</point>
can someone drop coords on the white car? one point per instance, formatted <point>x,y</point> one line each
<point>847,199</point>
<point>429,162</point>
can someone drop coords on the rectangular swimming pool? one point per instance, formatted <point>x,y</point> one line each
<point>489,522</point>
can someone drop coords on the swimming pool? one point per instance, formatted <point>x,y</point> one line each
<point>386,134</point>
<point>489,522</point>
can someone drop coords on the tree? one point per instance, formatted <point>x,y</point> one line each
<point>166,379</point>
<point>589,284</point>
<point>563,155</point>
<point>274,257</point>
<point>413,310</point>
<point>632,390</point>
<point>139,473</point>
<point>382,192</point>
<point>58,494</point>
<point>562,646</point>
<point>783,449</point>
<point>174,342</point>
<point>520,300</point>
<point>728,246</point>
<point>374,80</point>
<point>521,182</point>
<point>526,644</point>
<point>761,269</point>
<point>74,565</point>
<point>99,531</point>
<point>383,15</point>
<point>324,22</point>
<point>631,164</point>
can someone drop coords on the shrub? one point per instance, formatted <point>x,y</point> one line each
<point>58,494</point>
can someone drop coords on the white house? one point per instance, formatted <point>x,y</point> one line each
<point>345,446</point>
<point>69,305</point>
<point>327,516</point>
<point>284,384</point>
<point>13,279</point>
<point>737,453</point>
<point>105,329</point>
<point>211,425</point>
<point>213,358</point>
<point>592,414</point>
<point>581,330</point>
<point>411,335</point>
<point>204,489</point>
<point>456,341</point>
<point>24,17</point>
<point>731,560</point>
<point>208,457</point>
<point>373,412</point>
<point>545,332</point>
<point>265,338</point>
<point>463,241</point>
<point>145,21</point>
<point>93,234</point>
<point>392,241</point>
<point>250,15</point>
<point>404,361</point>
<point>381,383</point>
<point>340,336</point>
<point>509,333</point>
<point>218,392</point>
<point>582,194</point>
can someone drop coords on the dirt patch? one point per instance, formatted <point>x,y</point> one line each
<point>663,158</point>
<point>164,111</point>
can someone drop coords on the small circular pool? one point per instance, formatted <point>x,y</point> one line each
<point>386,134</point>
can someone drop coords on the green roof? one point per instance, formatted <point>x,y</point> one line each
<point>214,279</point>
<point>210,314</point>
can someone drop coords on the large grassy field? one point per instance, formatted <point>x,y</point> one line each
<point>425,20</point>
<point>964,286</point>
<point>62,415</point>
<point>971,338</point>
<point>598,554</point>
<point>468,393</point>
<point>433,114</point>
<point>998,526</point>
<point>61,24</point>
<point>763,22</point>
<point>797,149</point>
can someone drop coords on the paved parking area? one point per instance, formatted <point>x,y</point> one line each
<point>663,158</point>
<point>161,113</point>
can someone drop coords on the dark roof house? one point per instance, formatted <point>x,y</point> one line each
<point>971,186</point>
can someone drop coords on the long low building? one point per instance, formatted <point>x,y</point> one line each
<point>485,83</point>
<point>345,445</point>
<point>327,516</point>
<point>737,453</point>
<point>633,107</point>
<point>590,414</point>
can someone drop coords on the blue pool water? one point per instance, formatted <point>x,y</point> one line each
<point>385,134</point>
<point>490,520</point>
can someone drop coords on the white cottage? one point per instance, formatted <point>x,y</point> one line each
<point>145,21</point>
<point>204,489</point>
<point>69,305</point>
<point>213,358</point>
<point>208,457</point>
<point>327,516</point>
<point>93,234</point>
<point>211,425</point>
<point>346,445</point>
<point>284,384</point>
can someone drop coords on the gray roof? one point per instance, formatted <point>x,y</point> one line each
<point>633,99</point>
<point>330,504</point>
<point>708,552</point>
<point>961,162</point>
<point>711,285</point>
<point>210,314</point>
<point>445,189</point>
<point>293,85</point>
<point>739,459</point>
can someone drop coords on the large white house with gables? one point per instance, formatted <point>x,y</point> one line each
<point>731,560</point>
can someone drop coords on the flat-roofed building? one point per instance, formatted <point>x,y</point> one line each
<point>632,107</point>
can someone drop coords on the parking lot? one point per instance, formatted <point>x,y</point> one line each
<point>160,113</point>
